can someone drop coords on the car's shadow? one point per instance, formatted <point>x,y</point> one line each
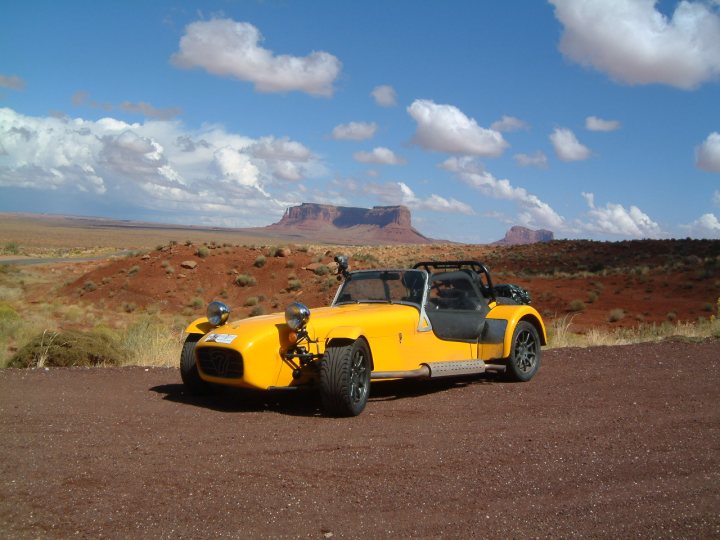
<point>306,402</point>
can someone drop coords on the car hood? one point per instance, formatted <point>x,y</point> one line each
<point>380,319</point>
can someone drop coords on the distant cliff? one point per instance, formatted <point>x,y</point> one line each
<point>521,235</point>
<point>344,224</point>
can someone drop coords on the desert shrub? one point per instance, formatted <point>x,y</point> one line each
<point>294,285</point>
<point>257,310</point>
<point>260,261</point>
<point>70,348</point>
<point>149,342</point>
<point>202,252</point>
<point>89,286</point>
<point>616,315</point>
<point>244,280</point>
<point>134,270</point>
<point>592,297</point>
<point>129,307</point>
<point>577,305</point>
<point>251,301</point>
<point>290,264</point>
<point>197,303</point>
<point>322,270</point>
<point>9,322</point>
<point>11,248</point>
<point>671,316</point>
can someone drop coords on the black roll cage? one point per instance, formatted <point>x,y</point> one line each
<point>478,268</point>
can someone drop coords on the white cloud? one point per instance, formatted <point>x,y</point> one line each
<point>536,159</point>
<point>394,193</point>
<point>228,48</point>
<point>533,211</point>
<point>445,128</point>
<point>384,95</point>
<point>707,155</point>
<point>354,131</point>
<point>567,147</point>
<point>379,156</point>
<point>157,166</point>
<point>593,123</point>
<point>13,82</point>
<point>634,43</point>
<point>270,148</point>
<point>615,219</point>
<point>509,123</point>
<point>706,226</point>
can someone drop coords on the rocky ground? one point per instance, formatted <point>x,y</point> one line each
<point>604,442</point>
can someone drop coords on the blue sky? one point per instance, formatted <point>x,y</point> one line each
<point>591,118</point>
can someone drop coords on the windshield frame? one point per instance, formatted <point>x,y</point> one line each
<point>366,274</point>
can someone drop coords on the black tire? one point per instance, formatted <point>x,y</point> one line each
<point>345,378</point>
<point>525,354</point>
<point>188,369</point>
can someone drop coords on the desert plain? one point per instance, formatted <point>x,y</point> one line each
<point>607,441</point>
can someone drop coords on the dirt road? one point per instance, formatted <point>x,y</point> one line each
<point>613,442</point>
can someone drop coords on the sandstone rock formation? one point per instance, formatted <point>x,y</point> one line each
<point>522,235</point>
<point>343,224</point>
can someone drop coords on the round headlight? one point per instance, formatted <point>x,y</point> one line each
<point>297,315</point>
<point>217,313</point>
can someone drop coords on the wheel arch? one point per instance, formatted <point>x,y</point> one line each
<point>339,341</point>
<point>539,326</point>
<point>199,326</point>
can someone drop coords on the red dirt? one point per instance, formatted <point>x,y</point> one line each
<point>650,281</point>
<point>605,442</point>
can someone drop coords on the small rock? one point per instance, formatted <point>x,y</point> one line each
<point>283,252</point>
<point>190,265</point>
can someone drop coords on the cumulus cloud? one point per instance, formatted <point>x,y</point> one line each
<point>445,128</point>
<point>634,43</point>
<point>567,147</point>
<point>13,82</point>
<point>707,155</point>
<point>593,123</point>
<point>394,193</point>
<point>384,95</point>
<point>536,159</point>
<point>533,212</point>
<point>379,156</point>
<point>508,123</point>
<point>228,48</point>
<point>615,219</point>
<point>706,226</point>
<point>208,176</point>
<point>354,131</point>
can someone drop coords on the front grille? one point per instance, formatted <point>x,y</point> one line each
<point>218,362</point>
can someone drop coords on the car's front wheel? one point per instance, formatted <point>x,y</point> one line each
<point>525,355</point>
<point>345,378</point>
<point>188,369</point>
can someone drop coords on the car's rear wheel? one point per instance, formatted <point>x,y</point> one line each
<point>345,378</point>
<point>525,354</point>
<point>188,369</point>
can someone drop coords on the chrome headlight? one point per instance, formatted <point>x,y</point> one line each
<point>217,313</point>
<point>297,315</point>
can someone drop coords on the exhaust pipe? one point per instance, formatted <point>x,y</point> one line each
<point>434,370</point>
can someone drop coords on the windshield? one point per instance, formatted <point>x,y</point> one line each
<point>392,286</point>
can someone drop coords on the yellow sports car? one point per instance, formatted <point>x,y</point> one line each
<point>438,319</point>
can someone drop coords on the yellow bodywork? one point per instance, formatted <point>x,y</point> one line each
<point>399,337</point>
